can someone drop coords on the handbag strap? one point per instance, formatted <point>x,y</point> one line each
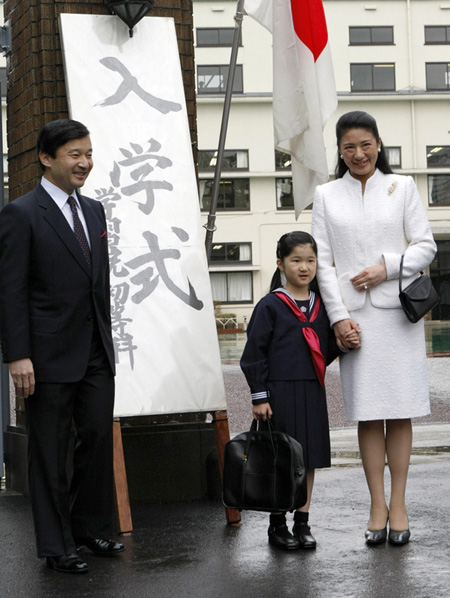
<point>400,276</point>
<point>253,428</point>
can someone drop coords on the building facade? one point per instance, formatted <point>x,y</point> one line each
<point>391,58</point>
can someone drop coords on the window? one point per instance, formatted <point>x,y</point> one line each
<point>440,275</point>
<point>234,194</point>
<point>394,156</point>
<point>371,36</point>
<point>232,287</point>
<point>213,79</point>
<point>372,77</point>
<point>438,156</point>
<point>439,189</point>
<point>285,194</point>
<point>283,161</point>
<point>437,34</point>
<point>232,159</point>
<point>212,37</point>
<point>236,253</point>
<point>438,76</point>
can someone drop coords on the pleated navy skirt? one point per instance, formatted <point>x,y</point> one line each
<point>300,409</point>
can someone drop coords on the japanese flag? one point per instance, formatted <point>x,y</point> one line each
<point>304,91</point>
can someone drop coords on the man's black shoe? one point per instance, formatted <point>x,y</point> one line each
<point>70,563</point>
<point>100,546</point>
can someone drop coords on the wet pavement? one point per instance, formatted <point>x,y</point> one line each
<point>187,550</point>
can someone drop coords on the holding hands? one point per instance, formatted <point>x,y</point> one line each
<point>347,334</point>
<point>349,338</point>
<point>347,331</point>
<point>352,338</point>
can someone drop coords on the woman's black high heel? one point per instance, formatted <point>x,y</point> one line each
<point>398,538</point>
<point>377,536</point>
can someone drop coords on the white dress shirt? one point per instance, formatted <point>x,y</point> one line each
<point>60,197</point>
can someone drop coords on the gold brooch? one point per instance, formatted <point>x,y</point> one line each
<point>392,188</point>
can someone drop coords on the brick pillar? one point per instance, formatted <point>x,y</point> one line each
<point>36,89</point>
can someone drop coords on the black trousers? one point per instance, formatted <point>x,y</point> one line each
<point>85,507</point>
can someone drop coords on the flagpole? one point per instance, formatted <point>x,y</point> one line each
<point>210,225</point>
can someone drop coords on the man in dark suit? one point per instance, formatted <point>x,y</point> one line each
<point>55,328</point>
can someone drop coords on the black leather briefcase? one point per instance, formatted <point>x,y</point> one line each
<point>264,471</point>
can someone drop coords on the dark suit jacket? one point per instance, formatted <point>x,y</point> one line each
<point>49,300</point>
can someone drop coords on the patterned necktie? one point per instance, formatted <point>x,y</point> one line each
<point>79,230</point>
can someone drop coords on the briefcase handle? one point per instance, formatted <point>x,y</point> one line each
<point>257,426</point>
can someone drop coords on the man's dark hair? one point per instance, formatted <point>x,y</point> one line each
<point>57,133</point>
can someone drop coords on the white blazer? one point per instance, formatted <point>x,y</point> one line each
<point>354,231</point>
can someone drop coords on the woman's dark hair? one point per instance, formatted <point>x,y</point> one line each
<point>359,120</point>
<point>57,133</point>
<point>285,247</point>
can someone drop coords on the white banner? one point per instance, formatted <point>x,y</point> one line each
<point>129,93</point>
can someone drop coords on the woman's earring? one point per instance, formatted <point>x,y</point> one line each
<point>342,157</point>
<point>379,149</point>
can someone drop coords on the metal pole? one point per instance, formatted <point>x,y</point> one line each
<point>210,226</point>
<point>4,375</point>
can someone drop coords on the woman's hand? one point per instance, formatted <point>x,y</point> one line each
<point>353,340</point>
<point>343,331</point>
<point>262,411</point>
<point>369,277</point>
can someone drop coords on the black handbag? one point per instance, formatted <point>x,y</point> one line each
<point>264,471</point>
<point>419,297</point>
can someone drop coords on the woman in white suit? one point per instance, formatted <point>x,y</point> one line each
<point>363,223</point>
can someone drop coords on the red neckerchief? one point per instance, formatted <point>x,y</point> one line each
<point>310,335</point>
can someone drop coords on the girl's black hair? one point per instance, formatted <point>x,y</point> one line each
<point>285,247</point>
<point>359,120</point>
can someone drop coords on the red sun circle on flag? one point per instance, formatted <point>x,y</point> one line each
<point>310,24</point>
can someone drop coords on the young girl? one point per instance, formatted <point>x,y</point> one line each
<point>289,344</point>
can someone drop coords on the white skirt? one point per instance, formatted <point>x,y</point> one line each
<point>387,377</point>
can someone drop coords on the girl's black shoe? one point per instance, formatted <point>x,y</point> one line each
<point>302,531</point>
<point>282,538</point>
<point>303,535</point>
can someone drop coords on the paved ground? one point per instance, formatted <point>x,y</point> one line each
<point>187,550</point>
